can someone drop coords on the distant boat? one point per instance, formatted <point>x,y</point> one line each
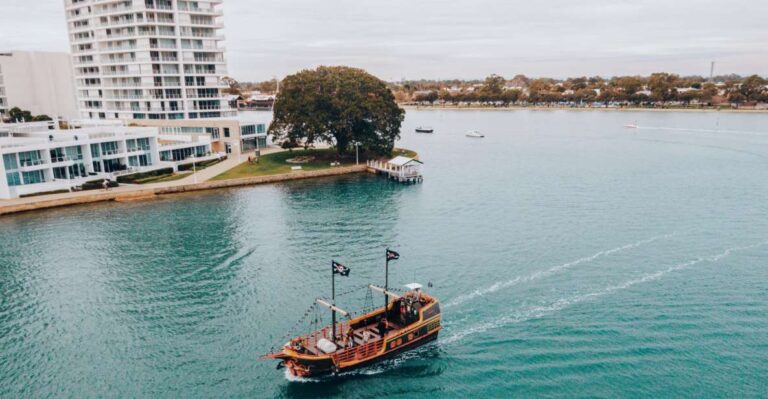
<point>424,129</point>
<point>631,126</point>
<point>475,133</point>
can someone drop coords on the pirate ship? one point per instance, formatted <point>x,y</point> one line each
<point>408,319</point>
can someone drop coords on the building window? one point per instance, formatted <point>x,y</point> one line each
<point>13,179</point>
<point>226,132</point>
<point>213,131</point>
<point>247,130</point>
<point>33,177</point>
<point>144,160</point>
<point>9,160</point>
<point>109,148</point>
<point>60,173</point>
<point>30,158</point>
<point>95,151</point>
<point>261,128</point>
<point>74,153</point>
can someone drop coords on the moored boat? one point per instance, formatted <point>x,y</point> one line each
<point>475,134</point>
<point>408,320</point>
<point>424,129</point>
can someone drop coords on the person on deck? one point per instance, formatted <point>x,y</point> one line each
<point>382,327</point>
<point>350,337</point>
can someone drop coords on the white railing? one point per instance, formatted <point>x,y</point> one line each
<point>32,162</point>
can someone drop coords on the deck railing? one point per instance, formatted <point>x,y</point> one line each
<point>359,352</point>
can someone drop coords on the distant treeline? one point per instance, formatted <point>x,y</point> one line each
<point>656,88</point>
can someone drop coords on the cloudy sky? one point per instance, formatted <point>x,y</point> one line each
<point>414,39</point>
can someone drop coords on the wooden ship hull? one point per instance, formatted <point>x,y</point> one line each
<point>412,321</point>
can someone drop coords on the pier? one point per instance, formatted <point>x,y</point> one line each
<point>401,169</point>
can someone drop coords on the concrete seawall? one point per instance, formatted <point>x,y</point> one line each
<point>135,193</point>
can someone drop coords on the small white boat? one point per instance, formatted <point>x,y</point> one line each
<point>631,126</point>
<point>475,133</point>
<point>424,129</point>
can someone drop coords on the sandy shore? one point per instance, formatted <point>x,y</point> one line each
<point>585,109</point>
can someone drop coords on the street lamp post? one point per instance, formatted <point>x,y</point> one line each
<point>357,153</point>
<point>194,168</point>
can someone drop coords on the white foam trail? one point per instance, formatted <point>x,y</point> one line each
<point>292,378</point>
<point>539,311</point>
<point>545,273</point>
<point>712,131</point>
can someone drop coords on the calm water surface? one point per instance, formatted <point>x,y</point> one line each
<point>573,258</point>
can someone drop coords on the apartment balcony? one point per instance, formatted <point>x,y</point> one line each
<point>83,62</point>
<point>119,61</point>
<point>30,165</point>
<point>138,149</point>
<point>112,154</point>
<point>161,21</point>
<point>165,59</point>
<point>208,58</point>
<point>118,9</point>
<point>159,7</point>
<point>117,49</point>
<point>206,108</point>
<point>65,160</point>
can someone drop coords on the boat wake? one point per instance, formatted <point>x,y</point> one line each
<point>546,273</point>
<point>710,131</point>
<point>292,378</point>
<point>540,311</point>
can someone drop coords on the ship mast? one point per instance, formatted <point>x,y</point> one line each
<point>333,302</point>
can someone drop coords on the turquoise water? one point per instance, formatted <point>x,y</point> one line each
<point>573,257</point>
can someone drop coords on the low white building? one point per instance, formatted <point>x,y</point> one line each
<point>39,158</point>
<point>39,82</point>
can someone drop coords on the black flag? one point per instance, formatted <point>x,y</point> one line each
<point>392,255</point>
<point>338,268</point>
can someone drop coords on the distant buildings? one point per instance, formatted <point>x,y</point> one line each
<point>148,59</point>
<point>40,82</point>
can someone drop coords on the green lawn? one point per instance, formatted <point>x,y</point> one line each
<point>274,164</point>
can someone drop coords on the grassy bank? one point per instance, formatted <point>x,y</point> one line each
<point>276,163</point>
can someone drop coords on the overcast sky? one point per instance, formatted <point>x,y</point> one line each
<point>461,38</point>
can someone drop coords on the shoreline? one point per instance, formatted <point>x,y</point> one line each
<point>583,109</point>
<point>135,193</point>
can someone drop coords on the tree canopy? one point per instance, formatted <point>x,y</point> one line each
<point>337,105</point>
<point>17,114</point>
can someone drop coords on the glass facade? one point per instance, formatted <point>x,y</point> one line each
<point>9,160</point>
<point>34,177</point>
<point>109,148</point>
<point>74,153</point>
<point>29,158</point>
<point>113,165</point>
<point>183,153</point>
<point>13,179</point>
<point>246,130</point>
<point>95,152</point>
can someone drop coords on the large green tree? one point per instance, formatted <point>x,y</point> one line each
<point>339,106</point>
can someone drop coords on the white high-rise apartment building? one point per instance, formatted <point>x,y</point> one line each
<point>148,59</point>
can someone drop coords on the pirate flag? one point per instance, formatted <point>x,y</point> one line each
<point>392,255</point>
<point>338,268</point>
